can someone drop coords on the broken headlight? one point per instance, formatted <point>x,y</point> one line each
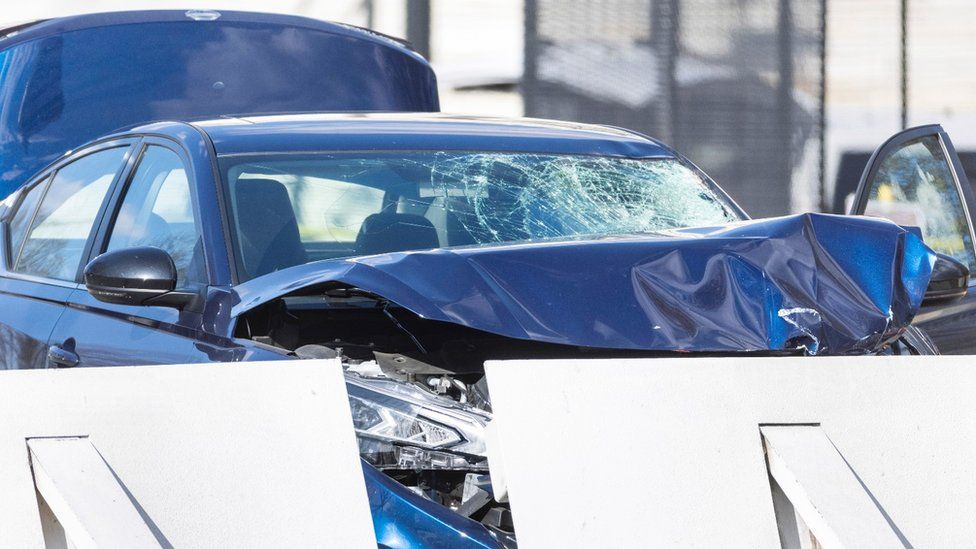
<point>402,426</point>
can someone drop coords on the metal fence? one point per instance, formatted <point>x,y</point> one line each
<point>736,85</point>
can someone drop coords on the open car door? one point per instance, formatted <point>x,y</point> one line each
<point>916,180</point>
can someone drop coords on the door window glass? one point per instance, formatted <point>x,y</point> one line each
<point>22,218</point>
<point>63,223</point>
<point>157,211</point>
<point>915,186</point>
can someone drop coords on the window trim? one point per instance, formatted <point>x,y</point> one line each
<point>967,200</point>
<point>48,175</point>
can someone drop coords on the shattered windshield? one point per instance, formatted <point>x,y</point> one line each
<point>289,210</point>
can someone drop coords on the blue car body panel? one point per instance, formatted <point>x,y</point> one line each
<point>820,283</point>
<point>66,81</point>
<point>401,520</point>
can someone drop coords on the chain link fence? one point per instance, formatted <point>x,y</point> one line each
<point>736,85</point>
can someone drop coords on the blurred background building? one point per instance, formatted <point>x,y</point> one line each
<point>780,101</point>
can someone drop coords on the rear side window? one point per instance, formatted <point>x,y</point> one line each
<point>56,241</point>
<point>25,213</point>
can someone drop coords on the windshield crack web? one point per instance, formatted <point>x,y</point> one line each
<point>513,197</point>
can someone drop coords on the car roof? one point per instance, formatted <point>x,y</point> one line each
<point>421,131</point>
<point>24,32</point>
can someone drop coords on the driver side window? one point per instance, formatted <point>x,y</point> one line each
<point>915,186</point>
<point>157,211</point>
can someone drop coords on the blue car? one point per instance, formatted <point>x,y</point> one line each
<point>66,81</point>
<point>413,248</point>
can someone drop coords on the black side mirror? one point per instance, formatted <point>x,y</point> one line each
<point>950,280</point>
<point>136,276</point>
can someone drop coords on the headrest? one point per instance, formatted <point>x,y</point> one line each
<point>395,232</point>
<point>268,229</point>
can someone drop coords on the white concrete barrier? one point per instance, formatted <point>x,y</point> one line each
<point>748,452</point>
<point>222,455</point>
<point>870,452</point>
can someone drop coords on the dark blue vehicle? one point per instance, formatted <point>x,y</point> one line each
<point>415,247</point>
<point>69,80</point>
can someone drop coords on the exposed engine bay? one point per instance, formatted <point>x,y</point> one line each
<point>417,387</point>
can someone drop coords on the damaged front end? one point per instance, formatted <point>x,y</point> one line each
<point>429,442</point>
<point>413,329</point>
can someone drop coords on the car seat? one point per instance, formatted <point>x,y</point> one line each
<point>385,232</point>
<point>267,227</point>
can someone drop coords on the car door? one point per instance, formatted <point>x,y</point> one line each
<point>154,207</point>
<point>915,179</point>
<point>47,233</point>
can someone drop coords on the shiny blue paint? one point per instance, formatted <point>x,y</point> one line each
<point>71,79</point>
<point>402,520</point>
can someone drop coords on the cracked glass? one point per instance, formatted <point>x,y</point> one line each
<point>290,210</point>
<point>915,186</point>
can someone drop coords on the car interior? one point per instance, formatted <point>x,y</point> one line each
<point>397,224</point>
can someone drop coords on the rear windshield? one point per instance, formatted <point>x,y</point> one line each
<point>289,210</point>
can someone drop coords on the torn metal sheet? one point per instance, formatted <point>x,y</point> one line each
<point>816,283</point>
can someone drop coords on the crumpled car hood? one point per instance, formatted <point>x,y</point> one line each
<point>821,283</point>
